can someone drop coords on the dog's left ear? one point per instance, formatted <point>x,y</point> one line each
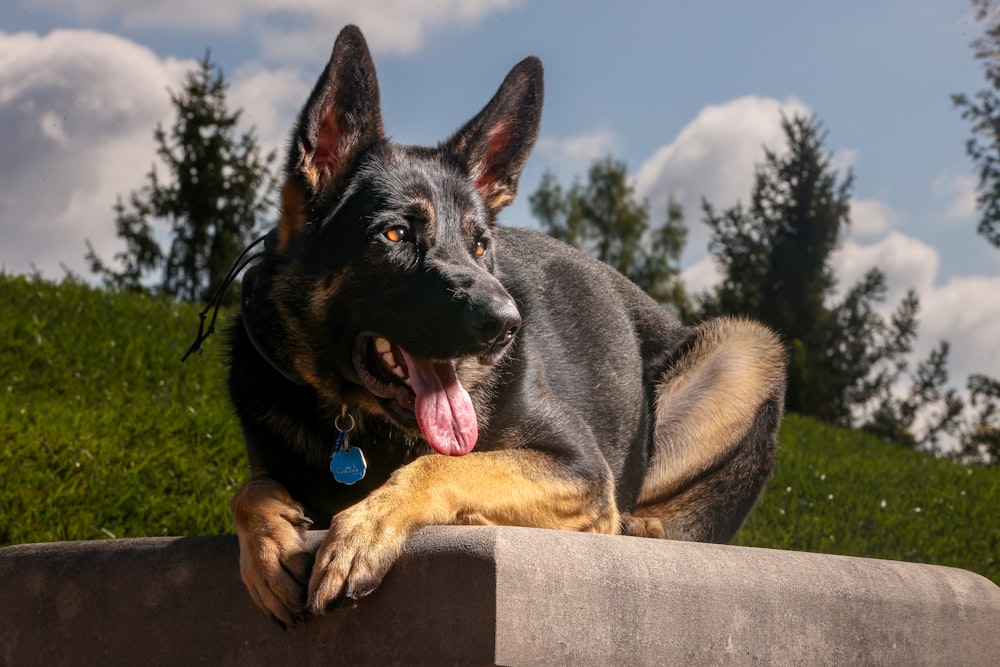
<point>495,144</point>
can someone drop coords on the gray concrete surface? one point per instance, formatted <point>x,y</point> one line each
<point>507,596</point>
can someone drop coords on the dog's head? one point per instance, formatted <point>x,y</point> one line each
<point>383,276</point>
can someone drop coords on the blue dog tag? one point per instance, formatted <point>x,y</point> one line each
<point>348,465</point>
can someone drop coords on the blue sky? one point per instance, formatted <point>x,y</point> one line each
<point>686,93</point>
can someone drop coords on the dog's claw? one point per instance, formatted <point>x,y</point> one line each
<point>358,551</point>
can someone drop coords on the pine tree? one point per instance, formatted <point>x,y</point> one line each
<point>605,219</point>
<point>982,111</point>
<point>775,257</point>
<point>219,189</point>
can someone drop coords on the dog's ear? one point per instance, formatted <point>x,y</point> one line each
<point>342,117</point>
<point>495,144</point>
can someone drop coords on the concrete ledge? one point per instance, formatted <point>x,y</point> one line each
<point>506,596</point>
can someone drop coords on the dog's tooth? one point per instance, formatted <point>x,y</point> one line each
<point>398,372</point>
<point>382,345</point>
<point>388,360</point>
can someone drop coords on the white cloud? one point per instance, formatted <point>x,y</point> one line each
<point>844,159</point>
<point>958,192</point>
<point>291,30</point>
<point>77,110</point>
<point>701,276</point>
<point>579,151</point>
<point>964,311</point>
<point>870,218</point>
<point>714,157</point>
<point>907,262</point>
<point>270,100</point>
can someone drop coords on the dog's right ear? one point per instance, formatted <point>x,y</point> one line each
<point>342,117</point>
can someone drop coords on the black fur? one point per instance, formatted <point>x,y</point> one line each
<point>559,353</point>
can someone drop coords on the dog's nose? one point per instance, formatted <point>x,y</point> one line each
<point>495,323</point>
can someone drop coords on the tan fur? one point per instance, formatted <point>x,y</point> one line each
<point>709,400</point>
<point>508,487</point>
<point>274,561</point>
<point>293,212</point>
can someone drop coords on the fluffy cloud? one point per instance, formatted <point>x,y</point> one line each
<point>964,310</point>
<point>77,109</point>
<point>701,276</point>
<point>288,30</point>
<point>958,193</point>
<point>714,157</point>
<point>270,100</point>
<point>578,152</point>
<point>871,218</point>
<point>907,262</point>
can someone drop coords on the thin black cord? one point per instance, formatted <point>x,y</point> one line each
<point>241,263</point>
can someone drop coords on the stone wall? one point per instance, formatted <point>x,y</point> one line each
<point>505,596</point>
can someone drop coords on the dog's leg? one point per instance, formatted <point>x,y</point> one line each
<point>717,412</point>
<point>274,562</point>
<point>520,487</point>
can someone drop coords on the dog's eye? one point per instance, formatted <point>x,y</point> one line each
<point>396,234</point>
<point>480,248</point>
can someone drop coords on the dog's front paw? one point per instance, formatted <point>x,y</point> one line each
<point>360,547</point>
<point>274,559</point>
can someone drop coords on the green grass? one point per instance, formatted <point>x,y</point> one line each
<point>103,432</point>
<point>842,492</point>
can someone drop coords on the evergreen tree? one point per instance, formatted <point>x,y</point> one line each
<point>218,190</point>
<point>981,441</point>
<point>982,110</point>
<point>605,219</point>
<point>775,259</point>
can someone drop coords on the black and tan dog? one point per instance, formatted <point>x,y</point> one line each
<point>490,375</point>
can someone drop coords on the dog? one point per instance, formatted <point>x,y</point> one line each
<point>480,374</point>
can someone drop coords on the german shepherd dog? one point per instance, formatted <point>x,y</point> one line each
<point>490,375</point>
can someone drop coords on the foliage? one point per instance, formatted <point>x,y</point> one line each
<point>605,219</point>
<point>982,111</point>
<point>775,261</point>
<point>775,255</point>
<point>843,492</point>
<point>103,432</point>
<point>218,190</point>
<point>981,440</point>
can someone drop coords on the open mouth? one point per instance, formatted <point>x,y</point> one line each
<point>383,371</point>
<point>428,391</point>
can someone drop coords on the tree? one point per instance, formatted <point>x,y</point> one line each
<point>220,187</point>
<point>845,359</point>
<point>982,111</point>
<point>775,262</point>
<point>981,441</point>
<point>604,218</point>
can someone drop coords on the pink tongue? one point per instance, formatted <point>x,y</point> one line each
<point>443,407</point>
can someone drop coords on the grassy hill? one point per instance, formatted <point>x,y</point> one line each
<point>104,433</point>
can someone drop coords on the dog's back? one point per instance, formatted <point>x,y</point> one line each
<point>592,338</point>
